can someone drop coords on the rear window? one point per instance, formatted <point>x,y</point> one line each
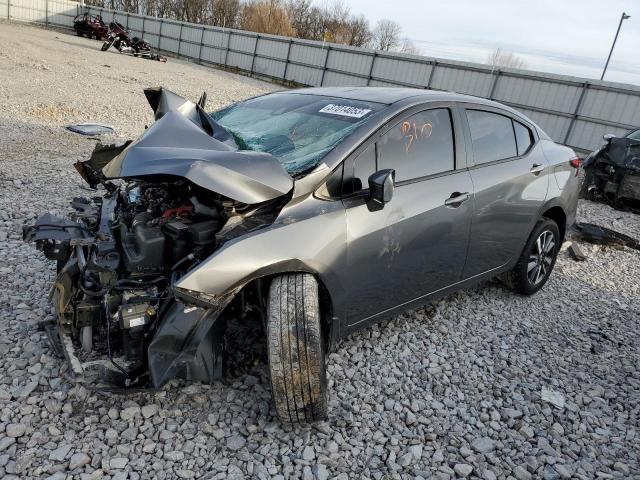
<point>524,139</point>
<point>299,130</point>
<point>492,136</point>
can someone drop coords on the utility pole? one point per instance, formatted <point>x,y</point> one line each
<point>622,18</point>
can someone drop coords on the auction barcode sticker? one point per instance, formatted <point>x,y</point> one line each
<point>345,110</point>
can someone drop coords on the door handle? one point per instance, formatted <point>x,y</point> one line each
<point>536,169</point>
<point>456,199</point>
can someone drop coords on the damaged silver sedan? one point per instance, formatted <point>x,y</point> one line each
<point>316,212</point>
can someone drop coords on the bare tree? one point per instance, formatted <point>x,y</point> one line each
<point>331,23</point>
<point>358,33</point>
<point>308,21</point>
<point>158,8</point>
<point>386,35</point>
<point>267,16</point>
<point>409,47</point>
<point>194,11</point>
<point>225,13</point>
<point>299,12</point>
<point>337,17</point>
<point>499,58</point>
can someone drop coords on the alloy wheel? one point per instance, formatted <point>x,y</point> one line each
<point>541,257</point>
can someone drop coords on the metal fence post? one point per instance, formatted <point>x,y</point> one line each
<point>494,84</point>
<point>46,13</point>
<point>255,50</point>
<point>226,52</point>
<point>324,67</point>
<point>8,9</point>
<point>576,113</point>
<point>373,62</point>
<point>160,34</point>
<point>201,44</point>
<point>433,70</point>
<point>143,19</point>
<point>180,39</point>
<point>127,22</point>
<point>286,62</point>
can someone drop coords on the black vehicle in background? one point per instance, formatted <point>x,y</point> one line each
<point>122,41</point>
<point>612,173</point>
<point>91,26</point>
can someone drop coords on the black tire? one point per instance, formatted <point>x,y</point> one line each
<point>105,46</point>
<point>520,278</point>
<point>79,32</point>
<point>296,353</point>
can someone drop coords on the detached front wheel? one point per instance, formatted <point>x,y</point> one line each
<point>296,353</point>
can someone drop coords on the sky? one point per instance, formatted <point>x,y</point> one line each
<point>568,37</point>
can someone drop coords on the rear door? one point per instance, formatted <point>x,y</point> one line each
<point>417,243</point>
<point>510,176</point>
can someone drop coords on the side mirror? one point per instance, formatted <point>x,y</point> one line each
<point>608,136</point>
<point>381,185</point>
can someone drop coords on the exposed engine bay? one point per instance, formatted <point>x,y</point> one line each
<point>119,256</point>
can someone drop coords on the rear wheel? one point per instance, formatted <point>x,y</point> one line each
<point>296,354</point>
<point>537,259</point>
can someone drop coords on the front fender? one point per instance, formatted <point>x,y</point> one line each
<point>308,237</point>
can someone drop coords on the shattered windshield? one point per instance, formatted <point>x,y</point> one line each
<point>299,130</point>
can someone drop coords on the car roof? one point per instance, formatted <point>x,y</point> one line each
<point>395,95</point>
<point>390,95</point>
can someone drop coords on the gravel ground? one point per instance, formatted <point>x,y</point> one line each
<point>482,384</point>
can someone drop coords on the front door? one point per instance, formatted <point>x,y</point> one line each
<point>417,243</point>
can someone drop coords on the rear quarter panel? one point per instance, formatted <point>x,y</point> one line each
<point>564,186</point>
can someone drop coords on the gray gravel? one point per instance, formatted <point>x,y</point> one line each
<point>482,384</point>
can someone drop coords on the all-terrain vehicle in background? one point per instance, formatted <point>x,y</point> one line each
<point>91,26</point>
<point>121,40</point>
<point>306,215</point>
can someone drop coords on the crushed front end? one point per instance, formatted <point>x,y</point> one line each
<point>119,255</point>
<point>613,173</point>
<point>117,260</point>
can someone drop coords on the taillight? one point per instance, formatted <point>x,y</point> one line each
<point>575,163</point>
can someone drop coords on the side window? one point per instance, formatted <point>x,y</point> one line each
<point>492,136</point>
<point>420,145</point>
<point>358,171</point>
<point>524,139</point>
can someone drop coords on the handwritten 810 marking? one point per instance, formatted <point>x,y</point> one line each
<point>411,132</point>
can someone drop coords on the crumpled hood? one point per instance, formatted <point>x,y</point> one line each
<point>186,142</point>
